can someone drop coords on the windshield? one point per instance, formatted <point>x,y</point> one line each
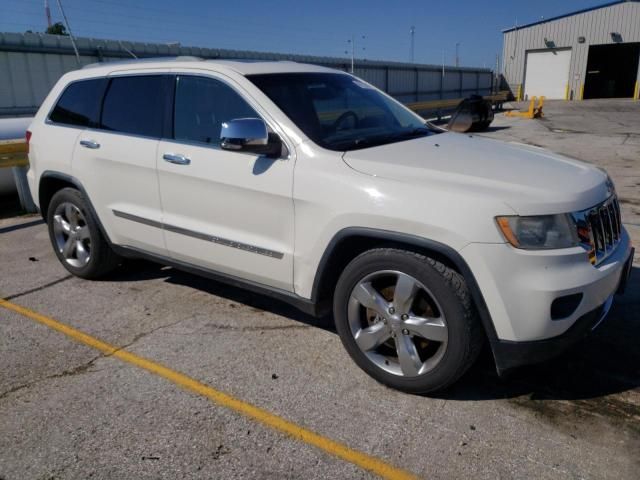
<point>340,112</point>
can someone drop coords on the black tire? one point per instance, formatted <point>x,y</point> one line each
<point>465,335</point>
<point>102,259</point>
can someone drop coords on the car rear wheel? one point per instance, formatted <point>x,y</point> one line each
<point>76,238</point>
<point>406,320</point>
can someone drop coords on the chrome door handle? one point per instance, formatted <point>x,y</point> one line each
<point>176,158</point>
<point>89,144</point>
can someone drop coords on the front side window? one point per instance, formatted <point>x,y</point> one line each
<point>340,112</point>
<point>79,105</point>
<point>135,105</point>
<point>202,105</point>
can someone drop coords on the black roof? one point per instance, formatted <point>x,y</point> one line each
<point>585,10</point>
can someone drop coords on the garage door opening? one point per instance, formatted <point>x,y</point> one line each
<point>612,71</point>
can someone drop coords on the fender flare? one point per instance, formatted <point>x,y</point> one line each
<point>76,183</point>
<point>416,241</point>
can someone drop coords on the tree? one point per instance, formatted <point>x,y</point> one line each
<point>57,28</point>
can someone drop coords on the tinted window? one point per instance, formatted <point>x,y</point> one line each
<point>340,112</point>
<point>135,105</point>
<point>79,105</point>
<point>202,105</point>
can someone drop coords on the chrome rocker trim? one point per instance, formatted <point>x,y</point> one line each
<point>201,236</point>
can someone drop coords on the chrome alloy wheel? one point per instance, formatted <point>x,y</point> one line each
<point>397,323</point>
<point>72,234</point>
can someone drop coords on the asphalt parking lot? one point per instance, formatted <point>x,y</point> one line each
<point>71,410</point>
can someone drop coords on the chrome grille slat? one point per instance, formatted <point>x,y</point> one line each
<point>616,211</point>
<point>607,220</point>
<point>602,228</point>
<point>614,222</point>
<point>605,228</point>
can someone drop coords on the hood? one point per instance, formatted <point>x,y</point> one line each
<point>530,180</point>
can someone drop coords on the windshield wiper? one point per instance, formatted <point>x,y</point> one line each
<point>416,132</point>
<point>377,140</point>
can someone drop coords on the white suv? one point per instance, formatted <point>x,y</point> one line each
<point>312,186</point>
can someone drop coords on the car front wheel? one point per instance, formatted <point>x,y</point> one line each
<point>407,320</point>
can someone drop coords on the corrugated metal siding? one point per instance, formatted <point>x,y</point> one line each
<point>469,81</point>
<point>595,25</point>
<point>430,81</point>
<point>30,64</point>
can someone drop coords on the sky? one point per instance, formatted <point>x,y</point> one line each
<point>321,27</point>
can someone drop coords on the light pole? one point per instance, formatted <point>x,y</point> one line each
<point>457,54</point>
<point>413,35</point>
<point>352,42</point>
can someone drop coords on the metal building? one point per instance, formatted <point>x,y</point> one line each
<point>592,53</point>
<point>31,63</point>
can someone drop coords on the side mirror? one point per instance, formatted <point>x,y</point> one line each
<point>249,135</point>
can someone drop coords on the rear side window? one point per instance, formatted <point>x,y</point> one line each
<point>79,105</point>
<point>202,105</point>
<point>135,105</point>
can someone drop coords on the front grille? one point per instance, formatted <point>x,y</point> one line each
<point>600,229</point>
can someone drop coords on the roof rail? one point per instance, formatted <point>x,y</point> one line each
<point>184,58</point>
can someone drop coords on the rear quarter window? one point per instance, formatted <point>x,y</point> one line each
<point>136,105</point>
<point>79,104</point>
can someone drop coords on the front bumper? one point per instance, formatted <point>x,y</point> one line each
<point>510,355</point>
<point>519,288</point>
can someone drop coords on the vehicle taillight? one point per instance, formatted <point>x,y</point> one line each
<point>27,136</point>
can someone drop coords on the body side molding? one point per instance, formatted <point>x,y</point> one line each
<point>201,236</point>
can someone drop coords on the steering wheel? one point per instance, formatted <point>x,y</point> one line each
<point>342,118</point>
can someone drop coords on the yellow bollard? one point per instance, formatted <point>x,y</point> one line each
<point>537,113</point>
<point>532,106</point>
<point>533,111</point>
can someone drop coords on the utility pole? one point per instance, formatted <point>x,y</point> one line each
<point>73,41</point>
<point>457,54</point>
<point>413,45</point>
<point>497,74</point>
<point>47,12</point>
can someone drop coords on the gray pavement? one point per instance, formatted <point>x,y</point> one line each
<point>68,412</point>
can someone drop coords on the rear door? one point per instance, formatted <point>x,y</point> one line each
<point>116,162</point>
<point>227,211</point>
<point>77,108</point>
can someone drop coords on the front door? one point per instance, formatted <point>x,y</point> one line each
<point>226,211</point>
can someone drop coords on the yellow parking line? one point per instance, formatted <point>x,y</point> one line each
<point>327,445</point>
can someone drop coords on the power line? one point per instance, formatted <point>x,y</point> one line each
<point>82,15</point>
<point>188,31</point>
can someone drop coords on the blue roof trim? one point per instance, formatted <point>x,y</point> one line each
<point>578,12</point>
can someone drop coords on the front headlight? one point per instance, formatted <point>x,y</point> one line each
<point>539,232</point>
